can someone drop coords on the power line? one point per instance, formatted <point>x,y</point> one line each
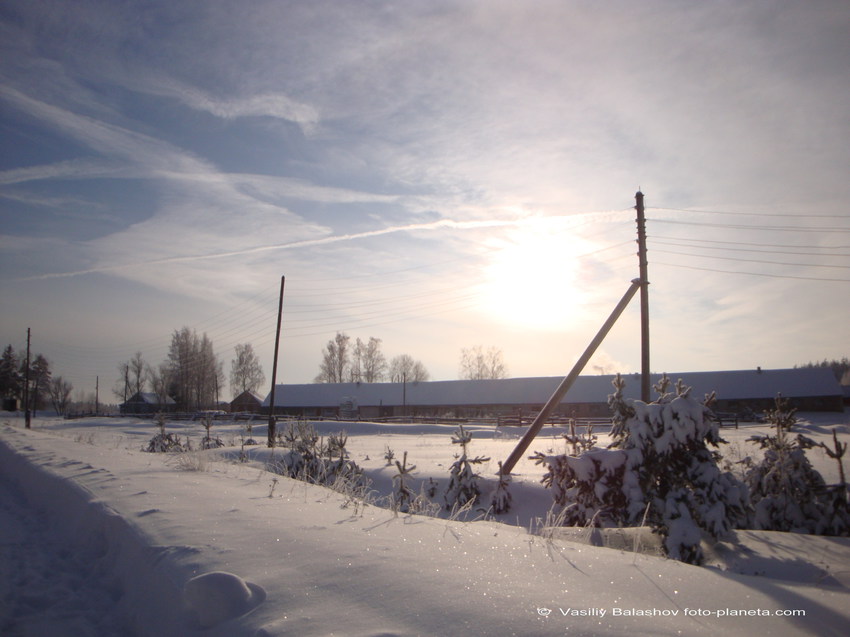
<point>763,274</point>
<point>796,265</point>
<point>751,243</point>
<point>760,228</point>
<point>783,251</point>
<point>753,214</point>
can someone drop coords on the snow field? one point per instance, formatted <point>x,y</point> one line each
<point>177,546</point>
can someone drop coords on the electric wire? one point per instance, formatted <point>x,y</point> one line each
<point>752,214</point>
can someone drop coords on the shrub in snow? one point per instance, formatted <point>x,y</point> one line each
<point>311,460</point>
<point>787,492</point>
<point>658,471</point>
<point>165,442</point>
<point>463,481</point>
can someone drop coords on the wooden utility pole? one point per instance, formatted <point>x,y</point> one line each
<point>96,395</point>
<point>644,301</point>
<point>272,423</point>
<point>565,385</point>
<point>27,416</point>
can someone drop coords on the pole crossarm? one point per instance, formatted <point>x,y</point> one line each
<point>565,385</point>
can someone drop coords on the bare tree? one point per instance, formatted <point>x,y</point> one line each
<point>60,393</point>
<point>335,360</point>
<point>404,367</point>
<point>477,364</point>
<point>246,373</point>
<point>195,373</point>
<point>368,364</point>
<point>160,380</point>
<point>137,372</point>
<point>121,389</point>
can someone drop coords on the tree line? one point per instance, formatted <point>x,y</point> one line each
<point>191,374</point>
<point>364,361</point>
<point>841,368</point>
<point>344,362</point>
<point>43,385</point>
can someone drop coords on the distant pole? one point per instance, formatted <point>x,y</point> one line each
<point>644,300</point>
<point>272,423</point>
<point>565,385</point>
<point>27,417</point>
<point>96,394</point>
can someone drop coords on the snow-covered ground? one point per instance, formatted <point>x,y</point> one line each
<point>99,538</point>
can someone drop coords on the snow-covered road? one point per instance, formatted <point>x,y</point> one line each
<point>48,586</point>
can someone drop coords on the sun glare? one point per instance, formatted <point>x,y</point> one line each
<point>533,279</point>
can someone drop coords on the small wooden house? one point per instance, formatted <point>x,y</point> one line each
<point>246,402</point>
<point>147,403</point>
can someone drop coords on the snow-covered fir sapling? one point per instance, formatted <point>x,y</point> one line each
<point>501,502</point>
<point>837,453</point>
<point>208,442</point>
<point>658,468</point>
<point>782,416</point>
<point>431,489</point>
<point>389,455</point>
<point>403,495</point>
<point>311,460</point>
<point>577,442</point>
<point>463,481</point>
<point>787,492</point>
<point>248,432</point>
<point>164,442</point>
<point>336,445</point>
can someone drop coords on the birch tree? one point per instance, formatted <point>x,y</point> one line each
<point>336,360</point>
<point>246,373</point>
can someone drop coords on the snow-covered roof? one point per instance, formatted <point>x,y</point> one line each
<point>248,394</point>
<point>729,385</point>
<point>150,398</point>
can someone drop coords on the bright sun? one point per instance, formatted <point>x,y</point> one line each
<point>533,279</point>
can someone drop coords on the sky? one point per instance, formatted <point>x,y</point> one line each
<point>438,175</point>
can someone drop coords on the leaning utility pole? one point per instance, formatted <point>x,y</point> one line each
<point>565,385</point>
<point>644,300</point>
<point>272,422</point>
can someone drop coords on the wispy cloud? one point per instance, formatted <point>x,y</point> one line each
<point>269,104</point>
<point>70,169</point>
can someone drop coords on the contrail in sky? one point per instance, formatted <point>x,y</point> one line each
<point>307,243</point>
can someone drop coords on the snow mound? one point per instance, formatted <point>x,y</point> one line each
<point>218,596</point>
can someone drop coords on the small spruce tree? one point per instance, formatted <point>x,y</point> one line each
<point>501,502</point>
<point>658,469</point>
<point>787,492</point>
<point>403,495</point>
<point>463,481</point>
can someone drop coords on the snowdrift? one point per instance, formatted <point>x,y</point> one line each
<point>226,551</point>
